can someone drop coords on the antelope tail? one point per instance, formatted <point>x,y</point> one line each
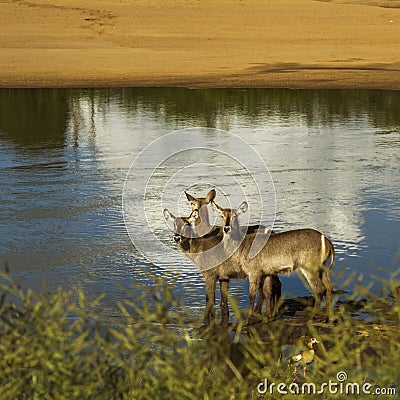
<point>330,253</point>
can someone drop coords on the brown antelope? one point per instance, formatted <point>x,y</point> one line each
<point>306,250</point>
<point>202,226</point>
<point>209,250</point>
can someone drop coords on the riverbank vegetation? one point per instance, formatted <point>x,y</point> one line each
<point>55,345</point>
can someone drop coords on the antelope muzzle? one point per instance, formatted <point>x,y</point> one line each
<point>227,229</point>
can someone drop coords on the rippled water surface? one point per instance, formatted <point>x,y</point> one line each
<point>334,157</point>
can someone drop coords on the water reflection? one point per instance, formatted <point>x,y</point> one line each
<point>33,119</point>
<point>64,154</point>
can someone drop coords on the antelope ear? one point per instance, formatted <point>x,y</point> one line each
<point>211,195</point>
<point>242,208</point>
<point>216,207</point>
<point>189,197</point>
<point>193,216</point>
<point>168,215</point>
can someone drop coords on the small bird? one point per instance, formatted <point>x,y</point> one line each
<point>303,358</point>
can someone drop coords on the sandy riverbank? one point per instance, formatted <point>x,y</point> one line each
<point>200,43</point>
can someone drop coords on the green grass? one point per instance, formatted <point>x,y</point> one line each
<point>53,346</point>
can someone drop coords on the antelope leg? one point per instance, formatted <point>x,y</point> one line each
<point>209,313</point>
<point>224,286</point>
<point>328,286</point>
<point>253,287</point>
<point>260,298</point>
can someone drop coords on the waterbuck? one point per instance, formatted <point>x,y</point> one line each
<point>207,251</point>
<point>202,226</point>
<point>202,223</point>
<point>306,250</point>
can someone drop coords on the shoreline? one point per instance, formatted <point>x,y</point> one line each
<point>305,44</point>
<point>298,81</point>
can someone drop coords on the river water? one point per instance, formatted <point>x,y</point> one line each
<point>333,155</point>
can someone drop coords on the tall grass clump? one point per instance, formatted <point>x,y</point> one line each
<point>56,345</point>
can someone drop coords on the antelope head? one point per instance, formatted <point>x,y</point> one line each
<point>230,222</point>
<point>183,226</point>
<point>202,222</point>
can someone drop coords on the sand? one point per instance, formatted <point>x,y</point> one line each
<point>200,43</point>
